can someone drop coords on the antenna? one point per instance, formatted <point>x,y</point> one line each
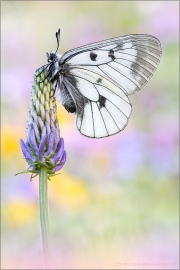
<point>58,38</point>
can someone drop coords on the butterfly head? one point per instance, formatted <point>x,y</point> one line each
<point>51,57</point>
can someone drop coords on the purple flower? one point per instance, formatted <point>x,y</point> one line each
<point>164,23</point>
<point>43,146</point>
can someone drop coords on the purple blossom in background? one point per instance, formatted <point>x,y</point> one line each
<point>90,32</point>
<point>18,190</point>
<point>165,21</point>
<point>163,147</point>
<point>129,155</point>
<point>43,146</point>
<point>16,75</point>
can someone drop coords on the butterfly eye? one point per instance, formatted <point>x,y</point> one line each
<point>50,57</point>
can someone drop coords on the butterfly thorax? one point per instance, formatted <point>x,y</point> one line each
<point>54,67</point>
<point>57,73</point>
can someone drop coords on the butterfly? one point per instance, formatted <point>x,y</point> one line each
<point>94,81</point>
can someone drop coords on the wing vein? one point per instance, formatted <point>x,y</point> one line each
<point>132,70</point>
<point>133,63</point>
<point>149,54</point>
<point>113,118</point>
<point>92,118</point>
<point>117,41</point>
<point>125,76</point>
<point>103,86</point>
<point>102,118</point>
<point>113,80</point>
<point>113,103</point>
<point>137,58</point>
<point>144,46</point>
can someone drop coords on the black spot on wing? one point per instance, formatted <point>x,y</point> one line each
<point>93,56</point>
<point>102,101</point>
<point>99,80</point>
<point>111,54</point>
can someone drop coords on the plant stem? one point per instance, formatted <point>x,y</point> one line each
<point>43,210</point>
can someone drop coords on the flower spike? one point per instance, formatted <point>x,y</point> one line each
<point>44,146</point>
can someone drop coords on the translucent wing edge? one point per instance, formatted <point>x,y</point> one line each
<point>69,54</point>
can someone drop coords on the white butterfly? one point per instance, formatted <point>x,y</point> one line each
<point>95,80</point>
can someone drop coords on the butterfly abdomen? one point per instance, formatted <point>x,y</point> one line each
<point>71,98</point>
<point>66,99</point>
<point>70,106</point>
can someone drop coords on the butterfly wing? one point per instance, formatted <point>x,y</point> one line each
<point>103,109</point>
<point>104,74</point>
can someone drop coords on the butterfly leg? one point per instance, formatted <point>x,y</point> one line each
<point>58,82</point>
<point>48,73</point>
<point>54,90</point>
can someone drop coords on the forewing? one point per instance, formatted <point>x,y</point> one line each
<point>105,107</point>
<point>129,61</point>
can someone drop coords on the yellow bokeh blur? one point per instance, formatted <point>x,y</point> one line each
<point>10,141</point>
<point>19,213</point>
<point>70,192</point>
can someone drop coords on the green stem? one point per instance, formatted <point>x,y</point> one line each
<point>43,209</point>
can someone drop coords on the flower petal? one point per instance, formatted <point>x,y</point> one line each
<point>47,127</point>
<point>56,140</point>
<point>43,131</point>
<point>40,122</point>
<point>32,140</point>
<point>41,148</point>
<point>36,130</point>
<point>57,156</point>
<point>42,110</point>
<point>26,152</point>
<point>50,144</point>
<point>63,159</point>
<point>57,168</point>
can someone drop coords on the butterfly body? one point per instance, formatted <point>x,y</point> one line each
<point>94,81</point>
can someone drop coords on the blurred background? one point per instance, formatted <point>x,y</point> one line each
<point>115,203</point>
